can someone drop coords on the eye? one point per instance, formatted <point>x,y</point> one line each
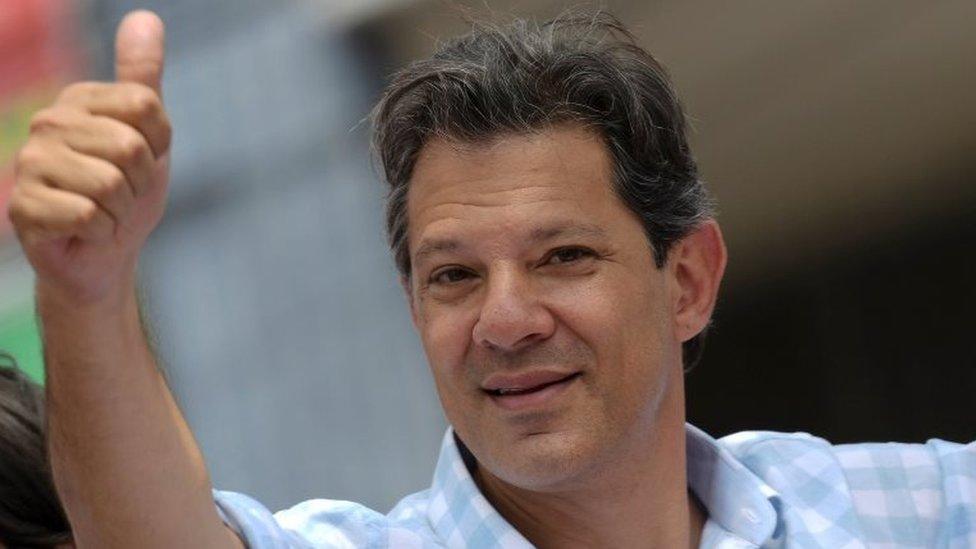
<point>449,275</point>
<point>569,255</point>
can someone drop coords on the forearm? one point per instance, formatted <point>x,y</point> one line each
<point>124,460</point>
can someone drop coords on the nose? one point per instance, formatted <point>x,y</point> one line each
<point>512,316</point>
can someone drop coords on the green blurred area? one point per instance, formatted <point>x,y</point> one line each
<point>15,117</point>
<point>19,336</point>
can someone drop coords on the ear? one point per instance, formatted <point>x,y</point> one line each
<point>408,292</point>
<point>697,265</point>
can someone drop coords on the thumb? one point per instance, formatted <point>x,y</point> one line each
<point>139,51</point>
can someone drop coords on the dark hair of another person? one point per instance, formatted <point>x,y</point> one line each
<point>30,511</point>
<point>580,68</point>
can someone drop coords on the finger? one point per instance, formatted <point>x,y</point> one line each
<point>54,213</point>
<point>135,104</point>
<point>102,137</point>
<point>94,178</point>
<point>139,49</point>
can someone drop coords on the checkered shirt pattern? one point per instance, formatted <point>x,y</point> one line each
<point>760,489</point>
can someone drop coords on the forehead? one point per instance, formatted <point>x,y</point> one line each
<point>518,181</point>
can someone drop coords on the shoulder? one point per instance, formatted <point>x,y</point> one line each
<point>887,492</point>
<point>326,523</point>
<point>769,453</point>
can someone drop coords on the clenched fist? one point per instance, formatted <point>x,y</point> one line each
<point>91,180</point>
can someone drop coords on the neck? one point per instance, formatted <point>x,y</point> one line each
<point>640,499</point>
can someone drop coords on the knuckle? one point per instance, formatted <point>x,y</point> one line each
<point>76,91</point>
<point>16,209</point>
<point>15,215</point>
<point>131,149</point>
<point>165,134</point>
<point>33,157</point>
<point>28,156</point>
<point>110,186</point>
<point>144,101</point>
<point>86,214</point>
<point>48,118</point>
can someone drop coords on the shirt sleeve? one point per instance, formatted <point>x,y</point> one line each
<point>958,465</point>
<point>315,523</point>
<point>254,523</point>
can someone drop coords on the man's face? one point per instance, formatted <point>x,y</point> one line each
<point>547,326</point>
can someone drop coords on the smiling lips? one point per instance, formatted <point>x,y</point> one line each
<point>519,392</point>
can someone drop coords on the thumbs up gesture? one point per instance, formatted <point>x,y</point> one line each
<point>91,180</point>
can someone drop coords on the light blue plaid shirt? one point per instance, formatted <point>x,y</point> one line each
<point>761,489</point>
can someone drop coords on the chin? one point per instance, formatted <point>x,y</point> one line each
<point>545,462</point>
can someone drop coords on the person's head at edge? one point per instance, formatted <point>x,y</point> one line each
<point>30,511</point>
<point>549,227</point>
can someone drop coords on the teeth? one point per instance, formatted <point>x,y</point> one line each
<point>502,392</point>
<point>507,391</point>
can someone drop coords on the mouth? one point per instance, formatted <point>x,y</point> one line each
<point>521,397</point>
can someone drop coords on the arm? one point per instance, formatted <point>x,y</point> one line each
<point>91,186</point>
<point>124,460</point>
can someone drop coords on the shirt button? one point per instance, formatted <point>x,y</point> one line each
<point>750,515</point>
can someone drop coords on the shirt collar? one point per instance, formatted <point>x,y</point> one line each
<point>458,512</point>
<point>736,500</point>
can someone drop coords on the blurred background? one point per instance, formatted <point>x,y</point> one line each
<point>838,138</point>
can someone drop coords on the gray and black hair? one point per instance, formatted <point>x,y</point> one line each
<point>523,77</point>
<point>31,514</point>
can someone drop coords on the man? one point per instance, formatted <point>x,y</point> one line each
<point>561,264</point>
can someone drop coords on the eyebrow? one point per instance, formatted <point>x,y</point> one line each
<point>431,247</point>
<point>537,236</point>
<point>543,234</point>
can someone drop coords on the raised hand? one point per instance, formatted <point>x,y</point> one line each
<point>91,180</point>
<point>91,186</point>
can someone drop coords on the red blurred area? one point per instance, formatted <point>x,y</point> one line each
<point>39,51</point>
<point>38,44</point>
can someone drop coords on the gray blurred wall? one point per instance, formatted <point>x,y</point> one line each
<point>269,287</point>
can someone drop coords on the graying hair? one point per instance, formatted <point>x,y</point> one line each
<point>523,77</point>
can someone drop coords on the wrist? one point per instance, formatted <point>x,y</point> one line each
<point>111,299</point>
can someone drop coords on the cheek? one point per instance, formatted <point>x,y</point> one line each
<point>608,310</point>
<point>446,336</point>
<point>646,343</point>
<point>623,319</point>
